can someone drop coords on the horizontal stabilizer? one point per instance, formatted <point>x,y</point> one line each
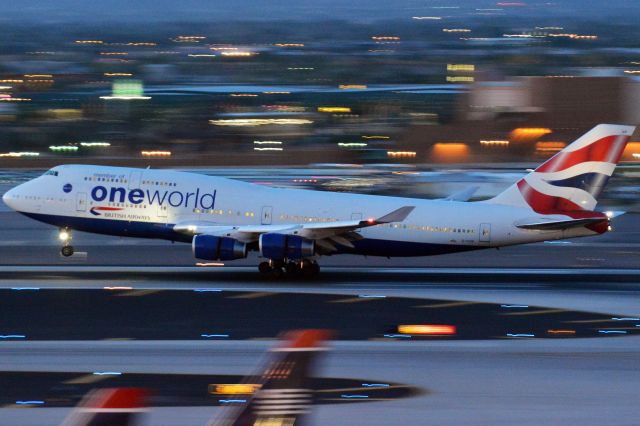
<point>555,225</point>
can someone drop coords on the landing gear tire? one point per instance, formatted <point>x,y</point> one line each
<point>292,268</point>
<point>315,268</point>
<point>67,251</point>
<point>264,268</point>
<point>310,268</point>
<point>277,272</point>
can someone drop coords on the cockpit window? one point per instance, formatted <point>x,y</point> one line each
<point>51,172</point>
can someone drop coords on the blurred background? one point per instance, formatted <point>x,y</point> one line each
<point>409,97</point>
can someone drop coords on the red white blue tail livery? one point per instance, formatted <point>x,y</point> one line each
<point>572,180</point>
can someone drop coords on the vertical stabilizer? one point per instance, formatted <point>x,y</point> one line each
<point>285,396</point>
<point>571,180</point>
<point>109,407</point>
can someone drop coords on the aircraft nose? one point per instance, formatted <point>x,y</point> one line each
<point>9,198</point>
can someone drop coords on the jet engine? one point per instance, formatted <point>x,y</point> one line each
<point>280,246</point>
<point>210,247</point>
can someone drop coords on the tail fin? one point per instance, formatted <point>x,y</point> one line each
<point>284,397</point>
<point>571,180</point>
<point>109,407</point>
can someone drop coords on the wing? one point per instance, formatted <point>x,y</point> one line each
<point>325,234</point>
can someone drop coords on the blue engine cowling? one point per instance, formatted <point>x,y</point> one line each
<point>210,247</point>
<point>280,246</point>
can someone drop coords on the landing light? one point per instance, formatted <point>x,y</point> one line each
<point>64,235</point>
<point>371,220</point>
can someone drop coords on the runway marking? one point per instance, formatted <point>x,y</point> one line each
<point>88,379</point>
<point>255,295</point>
<point>22,405</point>
<point>561,332</point>
<point>358,399</point>
<point>538,312</point>
<point>136,293</point>
<point>357,299</point>
<point>618,328</point>
<point>590,321</point>
<point>365,388</point>
<point>446,305</point>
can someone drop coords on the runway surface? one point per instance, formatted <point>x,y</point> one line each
<point>237,315</point>
<point>587,382</point>
<point>491,382</point>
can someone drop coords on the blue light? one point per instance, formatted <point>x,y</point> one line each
<point>514,306</point>
<point>375,385</point>
<point>354,396</point>
<point>231,401</point>
<point>371,296</point>
<point>612,331</point>
<point>29,402</point>
<point>208,290</point>
<point>12,336</point>
<point>520,335</point>
<point>214,335</point>
<point>625,319</point>
<point>25,288</point>
<point>107,373</point>
<point>406,336</point>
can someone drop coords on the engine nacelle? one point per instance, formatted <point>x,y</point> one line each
<point>280,246</point>
<point>210,247</point>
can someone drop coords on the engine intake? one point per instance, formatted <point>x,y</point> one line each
<point>210,247</point>
<point>280,246</point>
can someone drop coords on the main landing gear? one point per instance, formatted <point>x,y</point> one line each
<point>305,268</point>
<point>65,237</point>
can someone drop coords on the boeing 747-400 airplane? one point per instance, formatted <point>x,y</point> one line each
<point>225,219</point>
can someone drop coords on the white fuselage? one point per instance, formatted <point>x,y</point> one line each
<point>149,203</point>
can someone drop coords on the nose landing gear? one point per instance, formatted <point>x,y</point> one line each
<point>65,236</point>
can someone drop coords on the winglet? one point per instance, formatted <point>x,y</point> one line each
<point>396,216</point>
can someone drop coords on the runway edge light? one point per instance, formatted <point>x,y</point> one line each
<point>427,329</point>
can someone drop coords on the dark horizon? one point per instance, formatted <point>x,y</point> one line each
<point>78,11</point>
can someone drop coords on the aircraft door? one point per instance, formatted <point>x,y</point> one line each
<point>134,180</point>
<point>267,212</point>
<point>81,201</point>
<point>162,211</point>
<point>485,233</point>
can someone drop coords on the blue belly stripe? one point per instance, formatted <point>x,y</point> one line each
<point>125,228</point>
<point>122,228</point>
